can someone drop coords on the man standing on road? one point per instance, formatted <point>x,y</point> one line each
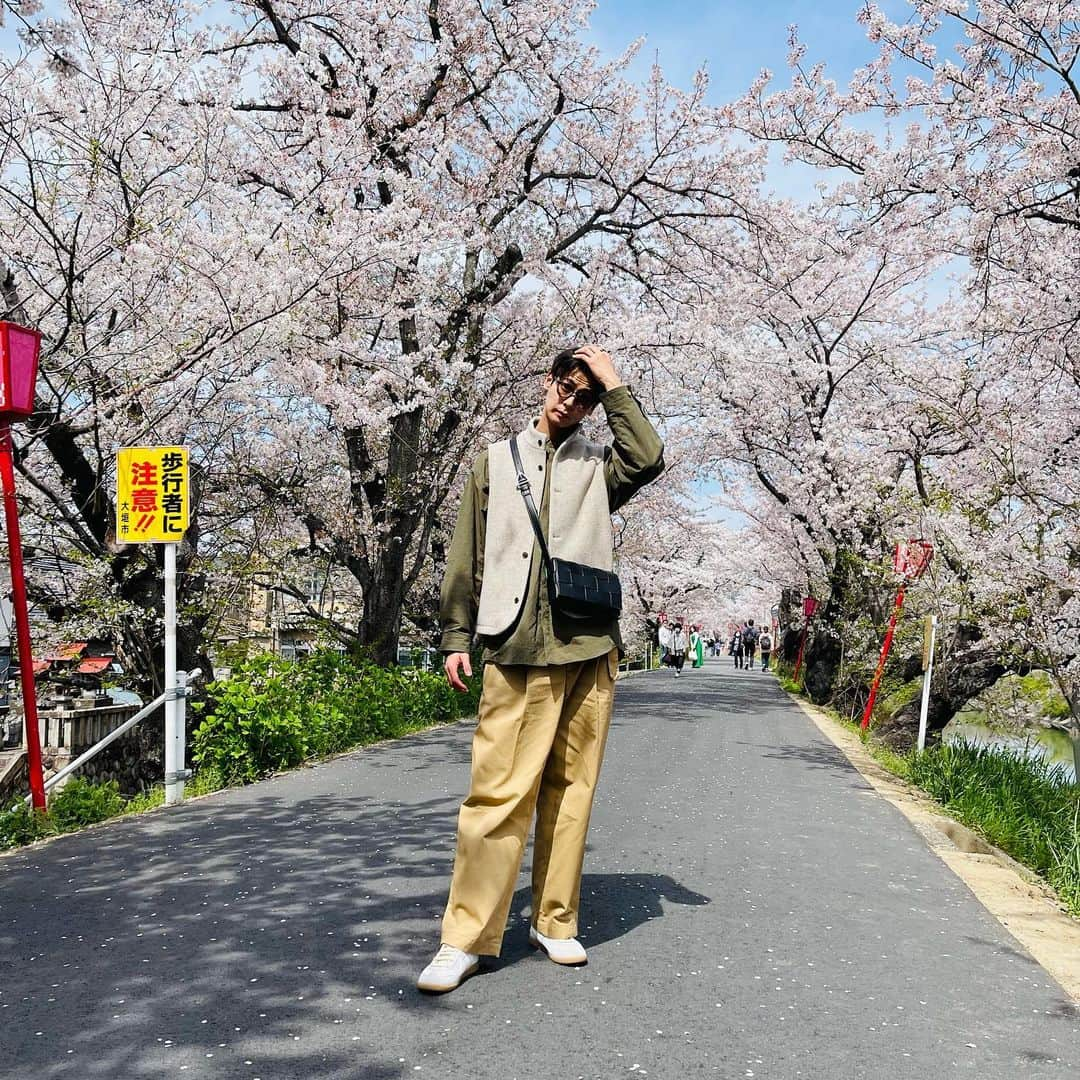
<point>549,678</point>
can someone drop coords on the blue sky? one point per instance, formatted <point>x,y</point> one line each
<point>735,38</point>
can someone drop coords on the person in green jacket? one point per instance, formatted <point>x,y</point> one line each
<point>697,646</point>
<point>548,681</point>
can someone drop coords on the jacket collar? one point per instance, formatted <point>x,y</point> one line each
<point>537,440</point>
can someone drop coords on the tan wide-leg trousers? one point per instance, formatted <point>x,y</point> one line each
<point>539,744</point>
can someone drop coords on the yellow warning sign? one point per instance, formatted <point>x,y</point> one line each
<point>151,494</point>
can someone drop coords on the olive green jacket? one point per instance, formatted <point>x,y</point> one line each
<point>535,638</point>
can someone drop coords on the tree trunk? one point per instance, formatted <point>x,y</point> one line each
<point>396,513</point>
<point>821,660</point>
<point>953,685</point>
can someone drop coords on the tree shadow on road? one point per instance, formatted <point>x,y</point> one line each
<point>265,924</point>
<point>226,930</point>
<point>816,756</point>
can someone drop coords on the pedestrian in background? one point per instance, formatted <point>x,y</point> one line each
<point>663,638</point>
<point>697,647</point>
<point>549,678</point>
<point>765,645</point>
<point>679,646</point>
<point>749,645</point>
<point>737,647</point>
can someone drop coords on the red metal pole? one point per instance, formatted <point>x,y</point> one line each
<point>22,621</point>
<point>881,660</point>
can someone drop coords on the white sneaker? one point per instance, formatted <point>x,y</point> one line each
<point>448,970</point>
<point>562,950</point>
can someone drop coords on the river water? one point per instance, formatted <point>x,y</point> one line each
<point>1046,743</point>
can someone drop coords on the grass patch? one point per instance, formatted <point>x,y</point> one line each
<point>783,672</point>
<point>80,803</point>
<point>1025,807</point>
<point>890,704</point>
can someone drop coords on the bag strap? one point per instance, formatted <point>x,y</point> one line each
<point>525,488</point>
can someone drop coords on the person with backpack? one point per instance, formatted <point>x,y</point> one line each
<point>749,644</point>
<point>765,645</point>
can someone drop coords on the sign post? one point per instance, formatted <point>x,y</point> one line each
<point>20,349</point>
<point>910,559</point>
<point>152,507</point>
<point>929,639</point>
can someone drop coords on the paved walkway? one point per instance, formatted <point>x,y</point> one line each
<point>752,909</point>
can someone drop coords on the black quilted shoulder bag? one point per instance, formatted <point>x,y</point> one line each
<point>576,590</point>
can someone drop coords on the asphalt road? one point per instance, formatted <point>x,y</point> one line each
<point>751,907</point>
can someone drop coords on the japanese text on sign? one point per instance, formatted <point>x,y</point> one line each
<point>151,494</point>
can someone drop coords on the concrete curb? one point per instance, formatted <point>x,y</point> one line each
<point>1025,905</point>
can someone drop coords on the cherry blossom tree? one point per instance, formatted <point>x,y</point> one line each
<point>334,246</point>
<point>984,175</point>
<point>129,243</point>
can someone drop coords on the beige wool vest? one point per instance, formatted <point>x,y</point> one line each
<point>579,519</point>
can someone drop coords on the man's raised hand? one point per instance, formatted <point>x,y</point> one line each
<point>599,363</point>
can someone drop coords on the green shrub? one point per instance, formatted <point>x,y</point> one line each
<point>204,781</point>
<point>272,714</point>
<point>21,824</point>
<point>81,803</point>
<point>148,799</point>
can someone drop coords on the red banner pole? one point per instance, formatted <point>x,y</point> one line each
<point>22,621</point>
<point>881,660</point>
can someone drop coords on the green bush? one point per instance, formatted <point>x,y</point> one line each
<point>21,824</point>
<point>148,799</point>
<point>78,803</point>
<point>81,803</point>
<point>272,714</point>
<point>1025,807</point>
<point>269,715</point>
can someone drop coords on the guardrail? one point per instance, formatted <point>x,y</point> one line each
<point>638,663</point>
<point>174,780</point>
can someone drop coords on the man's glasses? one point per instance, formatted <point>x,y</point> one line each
<point>572,394</point>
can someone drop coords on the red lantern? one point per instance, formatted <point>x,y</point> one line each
<point>20,348</point>
<point>912,557</point>
<point>809,606</point>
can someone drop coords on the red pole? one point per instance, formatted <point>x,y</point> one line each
<point>881,660</point>
<point>22,621</point>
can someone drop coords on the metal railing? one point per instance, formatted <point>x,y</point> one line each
<point>174,781</point>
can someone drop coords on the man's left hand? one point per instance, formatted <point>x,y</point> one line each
<point>599,363</point>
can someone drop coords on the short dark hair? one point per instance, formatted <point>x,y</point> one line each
<point>566,362</point>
